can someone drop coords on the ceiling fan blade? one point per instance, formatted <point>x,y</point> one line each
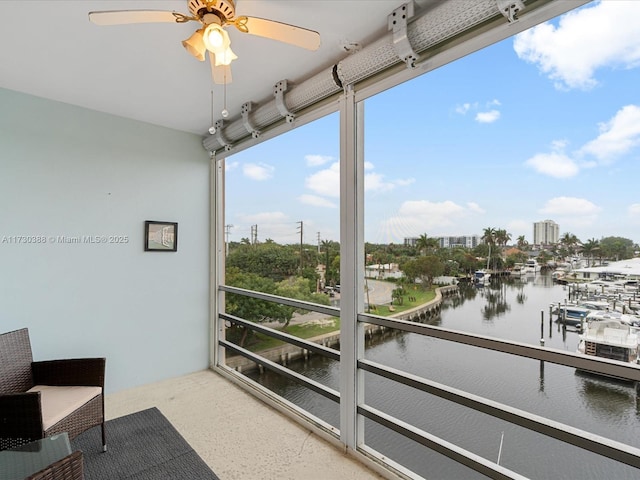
<point>123,17</point>
<point>283,32</point>
<point>221,74</point>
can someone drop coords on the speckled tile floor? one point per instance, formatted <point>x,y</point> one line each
<point>240,437</point>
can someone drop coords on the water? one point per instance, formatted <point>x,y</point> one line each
<point>509,310</point>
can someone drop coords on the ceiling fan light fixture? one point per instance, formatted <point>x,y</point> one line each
<point>216,40</point>
<point>225,58</point>
<point>195,44</point>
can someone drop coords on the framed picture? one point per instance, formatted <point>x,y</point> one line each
<point>160,236</point>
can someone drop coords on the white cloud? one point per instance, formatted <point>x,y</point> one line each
<point>634,210</point>
<point>374,182</point>
<point>519,227</point>
<point>325,182</point>
<point>316,201</point>
<point>569,206</point>
<point>258,171</point>
<point>571,211</point>
<point>488,117</point>
<point>229,166</point>
<point>605,35</point>
<point>317,160</point>
<point>404,182</point>
<point>474,207</point>
<point>415,217</point>
<point>617,136</point>
<point>554,164</point>
<point>463,109</point>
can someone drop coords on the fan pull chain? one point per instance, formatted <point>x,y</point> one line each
<point>212,128</point>
<point>225,112</point>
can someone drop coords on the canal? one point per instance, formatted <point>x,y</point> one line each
<point>510,309</point>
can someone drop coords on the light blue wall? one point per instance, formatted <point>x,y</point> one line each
<point>68,171</point>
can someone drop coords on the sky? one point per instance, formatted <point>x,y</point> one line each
<point>542,126</point>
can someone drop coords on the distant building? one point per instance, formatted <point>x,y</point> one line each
<point>467,241</point>
<point>546,232</point>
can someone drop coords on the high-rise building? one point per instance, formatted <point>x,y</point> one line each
<point>546,232</point>
<point>468,241</point>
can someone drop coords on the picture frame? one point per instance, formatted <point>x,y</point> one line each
<point>160,236</point>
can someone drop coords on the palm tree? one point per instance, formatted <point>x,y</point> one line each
<point>502,237</point>
<point>589,248</point>
<point>522,243</point>
<point>425,244</point>
<point>489,237</point>
<point>570,241</point>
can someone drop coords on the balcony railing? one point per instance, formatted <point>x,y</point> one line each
<point>570,435</point>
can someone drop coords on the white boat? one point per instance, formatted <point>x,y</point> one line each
<point>517,270</point>
<point>599,305</point>
<point>610,339</point>
<point>602,315</point>
<point>531,266</point>
<point>481,277</point>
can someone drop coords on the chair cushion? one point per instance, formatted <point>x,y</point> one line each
<point>59,402</point>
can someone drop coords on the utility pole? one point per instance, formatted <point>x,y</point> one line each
<point>301,225</point>
<point>227,231</point>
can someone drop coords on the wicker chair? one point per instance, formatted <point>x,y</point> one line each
<point>39,399</point>
<point>68,468</point>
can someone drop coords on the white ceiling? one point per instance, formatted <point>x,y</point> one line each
<point>51,50</point>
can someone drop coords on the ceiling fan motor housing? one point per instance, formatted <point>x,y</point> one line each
<point>224,9</point>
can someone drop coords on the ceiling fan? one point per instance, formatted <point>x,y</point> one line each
<point>212,37</point>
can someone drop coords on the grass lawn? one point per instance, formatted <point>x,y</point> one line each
<point>261,342</point>
<point>301,330</point>
<point>421,297</point>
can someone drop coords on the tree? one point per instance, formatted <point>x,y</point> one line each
<point>425,268</point>
<point>300,289</point>
<point>589,248</point>
<point>617,248</point>
<point>249,308</point>
<point>397,295</point>
<point>269,260</point>
<point>522,243</point>
<point>330,250</point>
<point>543,258</point>
<point>502,237</point>
<point>489,237</point>
<point>570,241</point>
<point>424,244</point>
<point>512,259</point>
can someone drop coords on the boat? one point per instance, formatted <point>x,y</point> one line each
<point>531,266</point>
<point>572,315</point>
<point>602,315</point>
<point>481,277</point>
<point>599,305</point>
<point>610,339</point>
<point>517,270</point>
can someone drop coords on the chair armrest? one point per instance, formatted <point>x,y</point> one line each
<point>20,419</point>
<point>70,372</point>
